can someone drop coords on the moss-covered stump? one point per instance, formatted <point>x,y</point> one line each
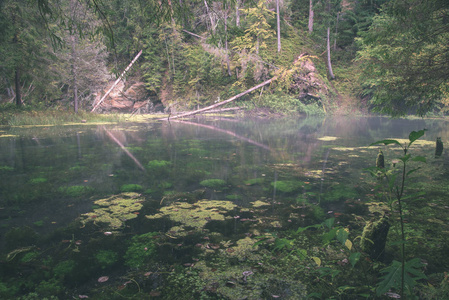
<point>374,237</point>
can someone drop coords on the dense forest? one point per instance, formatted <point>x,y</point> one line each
<point>386,56</point>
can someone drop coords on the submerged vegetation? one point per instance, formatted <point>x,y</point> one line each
<point>225,219</point>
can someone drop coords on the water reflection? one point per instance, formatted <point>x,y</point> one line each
<point>297,170</point>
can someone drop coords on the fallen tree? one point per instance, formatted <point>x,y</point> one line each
<point>222,102</point>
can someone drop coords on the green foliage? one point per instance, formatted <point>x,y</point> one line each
<point>398,273</point>
<point>393,276</point>
<point>213,183</point>
<point>141,250</point>
<point>287,104</point>
<point>404,57</point>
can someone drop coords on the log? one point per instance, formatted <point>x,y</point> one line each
<point>222,102</point>
<point>117,81</point>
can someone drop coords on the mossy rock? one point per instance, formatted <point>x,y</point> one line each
<point>115,210</point>
<point>213,183</point>
<point>131,187</point>
<point>287,186</point>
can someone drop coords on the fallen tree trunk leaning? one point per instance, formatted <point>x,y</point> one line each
<point>222,102</point>
<point>117,81</point>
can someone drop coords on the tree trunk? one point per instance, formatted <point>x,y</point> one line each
<point>73,53</point>
<point>17,84</point>
<point>212,22</point>
<point>117,81</point>
<point>228,64</point>
<point>311,16</point>
<point>278,23</point>
<point>222,102</point>
<point>237,13</point>
<point>329,64</point>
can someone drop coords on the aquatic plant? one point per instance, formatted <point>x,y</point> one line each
<point>64,268</point>
<point>404,274</point>
<point>157,164</point>
<point>254,181</point>
<point>106,258</point>
<point>213,183</point>
<point>75,190</point>
<point>287,186</point>
<point>6,168</point>
<point>141,250</point>
<point>115,210</point>
<point>339,193</point>
<point>131,187</point>
<point>38,180</point>
<point>197,214</point>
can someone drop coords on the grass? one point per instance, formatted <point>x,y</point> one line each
<point>11,115</point>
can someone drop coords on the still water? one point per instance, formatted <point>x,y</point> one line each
<point>111,211</point>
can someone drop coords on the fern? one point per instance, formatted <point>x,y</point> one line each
<point>392,277</point>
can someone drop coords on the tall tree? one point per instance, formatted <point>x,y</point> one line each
<point>278,25</point>
<point>311,14</point>
<point>406,57</point>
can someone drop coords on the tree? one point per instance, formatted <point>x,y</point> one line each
<point>406,57</point>
<point>278,25</point>
<point>25,51</point>
<point>311,13</point>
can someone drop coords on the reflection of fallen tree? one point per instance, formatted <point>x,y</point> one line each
<point>227,132</point>
<point>112,137</point>
<point>222,102</point>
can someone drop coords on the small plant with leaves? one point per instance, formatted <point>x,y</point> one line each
<point>400,276</point>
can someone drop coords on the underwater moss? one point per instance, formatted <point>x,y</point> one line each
<point>156,164</point>
<point>38,180</point>
<point>75,190</point>
<point>63,268</point>
<point>115,210</point>
<point>340,192</point>
<point>287,186</point>
<point>254,181</point>
<point>106,258</point>
<point>141,250</point>
<point>131,188</point>
<point>213,183</point>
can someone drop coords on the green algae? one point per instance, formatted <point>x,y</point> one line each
<point>158,164</point>
<point>259,203</point>
<point>195,215</point>
<point>115,210</point>
<point>38,180</point>
<point>254,181</point>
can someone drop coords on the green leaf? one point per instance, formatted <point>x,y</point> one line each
<point>412,171</point>
<point>327,237</point>
<point>329,222</point>
<point>414,135</point>
<point>354,258</point>
<point>392,278</point>
<point>405,158</point>
<point>386,142</point>
<point>342,235</point>
<point>392,181</point>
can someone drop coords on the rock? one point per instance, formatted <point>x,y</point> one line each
<point>374,237</point>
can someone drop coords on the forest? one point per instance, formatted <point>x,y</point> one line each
<point>324,56</point>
